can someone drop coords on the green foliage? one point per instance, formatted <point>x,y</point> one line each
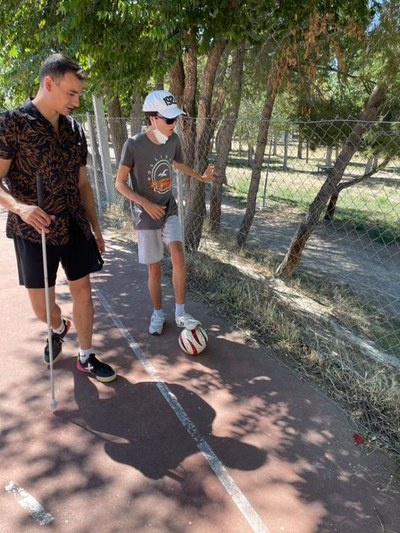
<point>122,43</point>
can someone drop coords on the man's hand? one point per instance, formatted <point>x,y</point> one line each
<point>157,212</point>
<point>209,174</point>
<point>36,217</point>
<point>101,245</point>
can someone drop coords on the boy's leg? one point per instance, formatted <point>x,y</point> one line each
<point>178,271</point>
<point>172,234</point>
<point>154,284</point>
<point>151,251</point>
<point>157,318</point>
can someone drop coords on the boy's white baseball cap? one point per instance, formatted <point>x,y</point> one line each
<point>162,102</point>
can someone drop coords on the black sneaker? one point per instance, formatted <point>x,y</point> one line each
<point>101,371</point>
<point>57,340</point>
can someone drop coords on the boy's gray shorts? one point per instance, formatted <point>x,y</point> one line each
<point>151,241</point>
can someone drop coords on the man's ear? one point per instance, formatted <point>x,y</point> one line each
<point>48,83</point>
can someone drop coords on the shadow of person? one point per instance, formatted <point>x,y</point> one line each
<point>141,429</point>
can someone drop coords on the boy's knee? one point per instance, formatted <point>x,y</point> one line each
<point>155,271</point>
<point>178,260</point>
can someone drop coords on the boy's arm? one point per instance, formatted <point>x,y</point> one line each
<point>121,184</point>
<point>208,176</point>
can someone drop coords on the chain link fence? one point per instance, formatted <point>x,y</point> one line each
<point>338,317</point>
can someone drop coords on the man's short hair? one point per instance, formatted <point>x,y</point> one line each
<point>57,65</point>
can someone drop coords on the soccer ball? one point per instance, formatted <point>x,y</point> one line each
<point>193,341</point>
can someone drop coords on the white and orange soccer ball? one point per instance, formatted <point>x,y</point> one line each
<point>193,341</point>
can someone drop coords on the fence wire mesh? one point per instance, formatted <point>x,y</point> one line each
<point>339,314</point>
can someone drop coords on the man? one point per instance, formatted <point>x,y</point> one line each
<point>148,158</point>
<point>40,138</point>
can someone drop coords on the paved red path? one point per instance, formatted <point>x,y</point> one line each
<point>231,441</point>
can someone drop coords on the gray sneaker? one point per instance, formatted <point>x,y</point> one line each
<point>187,321</point>
<point>156,324</point>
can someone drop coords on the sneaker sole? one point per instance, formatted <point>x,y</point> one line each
<point>155,333</point>
<point>102,380</point>
<point>68,326</point>
<point>190,324</point>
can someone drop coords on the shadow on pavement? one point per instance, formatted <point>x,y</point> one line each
<point>141,430</point>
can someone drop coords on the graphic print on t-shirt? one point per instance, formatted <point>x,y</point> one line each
<point>159,179</point>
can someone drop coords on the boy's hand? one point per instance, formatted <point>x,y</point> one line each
<point>154,210</point>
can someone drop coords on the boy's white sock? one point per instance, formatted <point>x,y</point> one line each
<point>179,310</point>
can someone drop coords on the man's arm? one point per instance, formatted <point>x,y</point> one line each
<point>31,214</point>
<point>207,177</point>
<point>88,202</point>
<point>121,184</point>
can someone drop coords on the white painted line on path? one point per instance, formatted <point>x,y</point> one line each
<point>240,500</point>
<point>29,503</point>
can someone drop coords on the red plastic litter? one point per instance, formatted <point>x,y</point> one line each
<point>358,439</point>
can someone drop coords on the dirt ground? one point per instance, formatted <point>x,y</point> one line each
<point>334,251</point>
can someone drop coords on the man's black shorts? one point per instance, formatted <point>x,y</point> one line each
<point>78,258</point>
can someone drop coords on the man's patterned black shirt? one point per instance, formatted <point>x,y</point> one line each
<point>36,149</point>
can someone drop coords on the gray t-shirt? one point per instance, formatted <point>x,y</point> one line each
<point>151,175</point>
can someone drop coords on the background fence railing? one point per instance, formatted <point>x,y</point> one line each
<point>341,310</point>
<point>357,249</point>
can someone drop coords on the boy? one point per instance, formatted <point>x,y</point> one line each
<point>148,158</point>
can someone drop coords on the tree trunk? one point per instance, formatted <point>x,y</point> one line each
<point>206,122</point>
<point>188,92</point>
<point>225,135</point>
<point>300,149</point>
<point>136,114</point>
<point>330,211</point>
<point>303,232</point>
<point>118,129</point>
<point>276,77</point>
<point>177,82</point>
<point>247,220</point>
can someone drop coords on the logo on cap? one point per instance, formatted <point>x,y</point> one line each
<point>169,100</point>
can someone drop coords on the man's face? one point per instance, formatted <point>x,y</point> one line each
<point>65,92</point>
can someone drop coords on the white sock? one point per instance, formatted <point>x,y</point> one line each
<point>84,354</point>
<point>179,310</point>
<point>159,312</point>
<point>59,330</point>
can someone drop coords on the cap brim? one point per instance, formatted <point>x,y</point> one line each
<point>172,113</point>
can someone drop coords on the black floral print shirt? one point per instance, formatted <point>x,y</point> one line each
<point>35,148</point>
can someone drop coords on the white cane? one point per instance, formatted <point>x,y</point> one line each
<point>40,193</point>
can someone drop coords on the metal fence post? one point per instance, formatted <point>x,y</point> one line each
<point>102,132</point>
<point>181,206</point>
<point>92,138</point>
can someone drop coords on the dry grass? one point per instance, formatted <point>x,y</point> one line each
<point>239,286</point>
